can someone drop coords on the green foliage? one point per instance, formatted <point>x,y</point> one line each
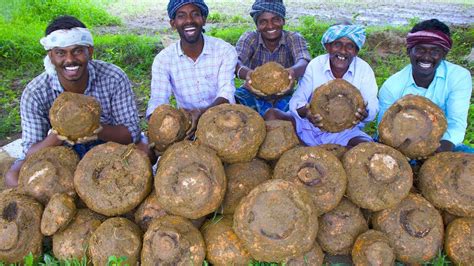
<point>133,53</point>
<point>312,30</point>
<point>230,35</point>
<point>116,261</point>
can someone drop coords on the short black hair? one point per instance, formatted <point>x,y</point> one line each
<point>431,24</point>
<point>64,23</point>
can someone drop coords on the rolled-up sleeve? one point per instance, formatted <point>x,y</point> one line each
<point>225,78</point>
<point>457,106</point>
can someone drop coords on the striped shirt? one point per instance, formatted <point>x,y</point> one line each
<point>194,84</point>
<point>107,83</point>
<point>253,52</point>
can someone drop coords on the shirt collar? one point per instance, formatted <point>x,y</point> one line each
<point>439,73</point>
<point>282,41</point>
<point>56,85</point>
<point>205,50</point>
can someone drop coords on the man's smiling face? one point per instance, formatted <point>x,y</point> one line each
<point>270,26</point>
<point>341,53</point>
<point>189,22</point>
<point>425,58</point>
<point>71,62</point>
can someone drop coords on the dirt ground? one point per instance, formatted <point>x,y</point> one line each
<point>150,16</point>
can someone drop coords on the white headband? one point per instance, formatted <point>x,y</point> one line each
<point>64,38</point>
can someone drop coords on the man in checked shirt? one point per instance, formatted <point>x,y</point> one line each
<point>69,67</point>
<point>269,43</point>
<point>198,69</point>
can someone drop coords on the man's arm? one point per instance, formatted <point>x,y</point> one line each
<point>298,69</point>
<point>457,105</point>
<point>161,87</point>
<point>125,127</point>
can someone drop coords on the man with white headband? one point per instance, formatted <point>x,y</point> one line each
<point>69,67</point>
<point>447,85</point>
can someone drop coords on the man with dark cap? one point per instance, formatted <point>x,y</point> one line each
<point>447,85</point>
<point>198,70</point>
<point>269,43</point>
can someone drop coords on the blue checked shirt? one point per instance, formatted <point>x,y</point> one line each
<point>107,83</point>
<point>194,84</point>
<point>253,53</point>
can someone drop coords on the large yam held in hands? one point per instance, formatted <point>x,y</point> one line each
<point>270,78</point>
<point>413,125</point>
<point>337,102</point>
<point>112,179</point>
<point>75,115</point>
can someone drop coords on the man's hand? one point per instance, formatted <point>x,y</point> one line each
<point>195,114</point>
<point>249,87</point>
<point>315,119</point>
<point>361,114</point>
<point>79,140</point>
<point>291,77</point>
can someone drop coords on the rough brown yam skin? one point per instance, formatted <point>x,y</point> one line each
<point>337,102</point>
<point>280,137</point>
<point>446,180</point>
<point>459,242</point>
<point>167,125</point>
<point>116,236</point>
<point>313,257</point>
<point>318,171</point>
<point>339,228</point>
<point>241,179</point>
<point>234,131</point>
<point>336,149</point>
<point>270,78</point>
<point>447,217</point>
<point>413,125</point>
<point>223,247</point>
<point>19,226</point>
<point>190,180</point>
<point>378,176</point>
<point>276,220</point>
<point>57,214</point>
<point>148,210</point>
<point>172,240</point>
<point>373,248</point>
<point>112,179</point>
<point>73,241</point>
<point>75,115</point>
<point>414,228</point>
<point>47,172</point>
